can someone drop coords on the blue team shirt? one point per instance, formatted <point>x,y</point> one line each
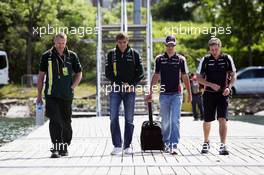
<point>170,70</point>
<point>216,70</point>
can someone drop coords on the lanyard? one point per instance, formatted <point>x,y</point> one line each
<point>63,64</point>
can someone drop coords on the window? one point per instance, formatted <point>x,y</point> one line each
<point>259,73</point>
<point>247,74</point>
<point>3,62</point>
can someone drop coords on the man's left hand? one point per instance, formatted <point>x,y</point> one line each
<point>226,92</point>
<point>72,88</point>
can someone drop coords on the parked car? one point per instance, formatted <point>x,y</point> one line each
<point>4,78</point>
<point>250,80</point>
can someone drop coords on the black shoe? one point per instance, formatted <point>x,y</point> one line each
<point>64,153</point>
<point>206,147</point>
<point>64,149</point>
<point>54,153</point>
<point>223,150</point>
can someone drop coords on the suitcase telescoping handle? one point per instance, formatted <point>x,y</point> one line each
<point>150,113</point>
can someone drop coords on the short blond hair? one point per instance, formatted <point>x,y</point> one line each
<point>215,41</point>
<point>60,35</point>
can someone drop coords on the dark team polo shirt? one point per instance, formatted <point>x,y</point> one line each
<point>59,72</point>
<point>170,70</point>
<point>216,70</point>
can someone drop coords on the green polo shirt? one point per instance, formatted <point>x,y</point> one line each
<point>59,72</point>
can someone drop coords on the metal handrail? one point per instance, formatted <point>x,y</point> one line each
<point>149,43</point>
<point>124,28</point>
<point>98,60</point>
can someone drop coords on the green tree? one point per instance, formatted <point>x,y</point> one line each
<point>18,38</point>
<point>247,26</point>
<point>244,16</point>
<point>174,10</point>
<point>25,46</point>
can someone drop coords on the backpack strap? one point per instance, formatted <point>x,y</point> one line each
<point>133,55</point>
<point>206,60</point>
<point>114,61</point>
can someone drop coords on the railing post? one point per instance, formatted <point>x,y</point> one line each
<point>98,61</point>
<point>123,16</point>
<point>149,43</point>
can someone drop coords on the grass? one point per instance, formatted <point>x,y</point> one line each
<point>18,91</point>
<point>249,119</point>
<point>84,90</point>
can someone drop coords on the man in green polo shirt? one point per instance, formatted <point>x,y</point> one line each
<point>63,73</point>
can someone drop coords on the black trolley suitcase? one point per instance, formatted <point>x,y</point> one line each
<point>151,136</point>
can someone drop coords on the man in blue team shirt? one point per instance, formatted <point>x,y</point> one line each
<point>216,72</point>
<point>170,69</point>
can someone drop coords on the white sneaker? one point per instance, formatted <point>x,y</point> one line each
<point>166,149</point>
<point>128,151</point>
<point>206,147</point>
<point>223,150</point>
<point>116,151</point>
<point>173,151</point>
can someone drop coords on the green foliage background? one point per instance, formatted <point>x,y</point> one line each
<point>245,43</point>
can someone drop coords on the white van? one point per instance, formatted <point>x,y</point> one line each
<point>250,80</point>
<point>4,78</point>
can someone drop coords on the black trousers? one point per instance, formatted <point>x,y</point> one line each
<point>59,112</point>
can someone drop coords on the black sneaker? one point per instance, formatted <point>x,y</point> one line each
<point>54,153</point>
<point>64,149</point>
<point>223,150</point>
<point>64,153</point>
<point>206,147</point>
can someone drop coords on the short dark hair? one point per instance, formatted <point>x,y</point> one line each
<point>122,36</point>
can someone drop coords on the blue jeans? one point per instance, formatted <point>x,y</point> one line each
<point>129,104</point>
<point>197,100</point>
<point>170,112</point>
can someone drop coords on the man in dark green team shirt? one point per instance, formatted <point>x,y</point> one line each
<point>59,65</point>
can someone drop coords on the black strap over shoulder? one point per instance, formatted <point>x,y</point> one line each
<point>113,55</point>
<point>206,60</point>
<point>133,55</point>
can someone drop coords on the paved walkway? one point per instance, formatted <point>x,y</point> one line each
<point>91,147</point>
